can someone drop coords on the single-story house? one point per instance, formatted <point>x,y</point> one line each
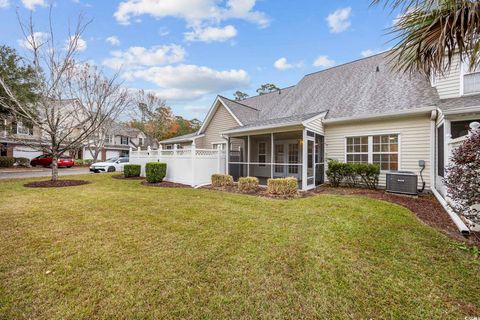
<point>362,111</point>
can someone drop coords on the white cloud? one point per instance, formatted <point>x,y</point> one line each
<point>324,62</point>
<point>113,40</point>
<point>31,4</point>
<point>210,34</point>
<point>339,20</point>
<point>37,39</point>
<point>282,64</point>
<point>4,4</point>
<point>136,57</point>
<point>81,44</point>
<point>163,32</point>
<point>195,13</point>
<point>189,82</point>
<point>370,52</point>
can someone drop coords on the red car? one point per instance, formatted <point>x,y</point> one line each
<point>46,161</point>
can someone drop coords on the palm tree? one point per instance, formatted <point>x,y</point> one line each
<point>429,33</point>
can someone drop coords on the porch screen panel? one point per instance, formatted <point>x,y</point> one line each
<point>319,159</point>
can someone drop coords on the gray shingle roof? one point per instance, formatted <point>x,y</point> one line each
<point>244,113</point>
<point>461,102</point>
<point>280,122</point>
<point>363,87</point>
<point>185,137</point>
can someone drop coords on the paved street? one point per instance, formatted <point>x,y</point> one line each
<point>40,172</point>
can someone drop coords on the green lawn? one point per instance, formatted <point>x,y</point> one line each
<point>116,249</point>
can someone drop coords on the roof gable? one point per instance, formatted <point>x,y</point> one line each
<point>217,104</point>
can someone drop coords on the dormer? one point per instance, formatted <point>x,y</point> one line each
<point>457,81</point>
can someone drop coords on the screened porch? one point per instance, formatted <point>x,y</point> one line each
<point>298,154</point>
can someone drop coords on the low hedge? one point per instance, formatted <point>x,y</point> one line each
<point>282,186</point>
<point>22,162</point>
<point>155,171</point>
<point>7,162</point>
<point>222,180</point>
<point>83,163</point>
<point>132,170</point>
<point>352,174</point>
<point>248,184</point>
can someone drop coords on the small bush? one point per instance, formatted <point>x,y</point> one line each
<point>282,186</point>
<point>155,171</point>
<point>248,184</point>
<point>22,162</point>
<point>336,172</point>
<point>369,174</point>
<point>7,162</point>
<point>132,170</point>
<point>222,180</point>
<point>352,173</point>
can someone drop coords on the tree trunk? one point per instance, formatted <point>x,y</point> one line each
<point>54,167</point>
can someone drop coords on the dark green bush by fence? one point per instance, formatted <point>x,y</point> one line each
<point>353,174</point>
<point>282,186</point>
<point>7,162</point>
<point>132,170</point>
<point>222,180</point>
<point>155,171</point>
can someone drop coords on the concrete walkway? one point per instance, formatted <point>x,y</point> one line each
<point>40,172</point>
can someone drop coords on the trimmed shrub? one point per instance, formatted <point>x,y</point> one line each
<point>132,170</point>
<point>353,173</point>
<point>22,162</point>
<point>282,186</point>
<point>369,174</point>
<point>7,162</point>
<point>155,171</point>
<point>222,180</point>
<point>248,184</point>
<point>336,172</point>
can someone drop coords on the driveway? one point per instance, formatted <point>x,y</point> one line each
<point>40,172</point>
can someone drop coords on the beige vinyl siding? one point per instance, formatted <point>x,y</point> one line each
<point>221,121</point>
<point>448,85</point>
<point>316,125</point>
<point>414,141</point>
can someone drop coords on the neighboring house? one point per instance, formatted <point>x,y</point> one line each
<point>118,141</point>
<point>361,111</point>
<point>13,136</point>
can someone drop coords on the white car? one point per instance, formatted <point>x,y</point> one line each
<point>109,165</point>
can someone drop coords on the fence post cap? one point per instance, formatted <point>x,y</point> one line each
<point>148,148</point>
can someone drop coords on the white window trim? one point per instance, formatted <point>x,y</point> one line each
<point>463,73</point>
<point>224,143</point>
<point>370,147</point>
<point>20,125</point>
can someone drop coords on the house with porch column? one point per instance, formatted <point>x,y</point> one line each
<point>362,112</point>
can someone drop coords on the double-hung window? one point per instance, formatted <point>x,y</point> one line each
<point>385,151</point>
<point>124,140</point>
<point>471,79</point>
<point>378,149</point>
<point>357,149</point>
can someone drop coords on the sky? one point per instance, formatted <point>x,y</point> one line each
<point>189,51</point>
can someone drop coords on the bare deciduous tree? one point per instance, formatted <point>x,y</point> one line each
<point>64,117</point>
<point>99,92</point>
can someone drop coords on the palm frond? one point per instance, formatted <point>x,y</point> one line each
<point>429,34</point>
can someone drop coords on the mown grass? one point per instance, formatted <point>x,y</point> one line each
<point>116,249</point>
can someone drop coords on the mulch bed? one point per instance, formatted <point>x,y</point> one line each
<point>55,184</point>
<point>122,177</point>
<point>426,207</point>
<point>260,192</point>
<point>165,184</point>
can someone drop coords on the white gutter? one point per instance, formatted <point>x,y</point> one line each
<point>416,111</point>
<point>461,110</point>
<point>270,126</point>
<point>455,218</point>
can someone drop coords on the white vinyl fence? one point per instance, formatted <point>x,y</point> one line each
<point>187,166</point>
